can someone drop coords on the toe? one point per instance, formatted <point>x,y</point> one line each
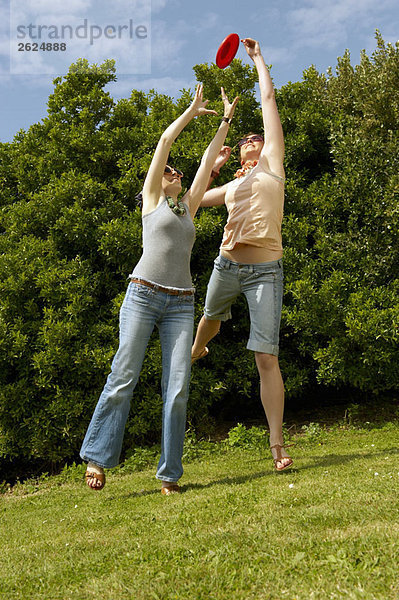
<point>92,482</point>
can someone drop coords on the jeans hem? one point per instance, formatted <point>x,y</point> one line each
<point>168,479</point>
<point>87,459</point>
<point>263,347</point>
<point>224,317</point>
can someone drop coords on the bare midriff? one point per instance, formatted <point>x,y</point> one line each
<point>247,254</point>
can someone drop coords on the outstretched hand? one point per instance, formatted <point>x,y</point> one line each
<point>198,105</point>
<point>252,47</point>
<point>229,108</point>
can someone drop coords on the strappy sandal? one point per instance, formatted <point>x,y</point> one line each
<point>280,458</point>
<point>202,354</point>
<point>99,476</point>
<point>170,489</point>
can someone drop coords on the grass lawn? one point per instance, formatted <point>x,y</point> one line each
<point>327,529</point>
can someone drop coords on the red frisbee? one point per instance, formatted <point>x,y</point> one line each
<point>227,50</point>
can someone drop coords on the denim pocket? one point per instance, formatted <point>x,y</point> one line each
<point>186,300</point>
<point>274,272</point>
<point>142,291</point>
<point>217,264</point>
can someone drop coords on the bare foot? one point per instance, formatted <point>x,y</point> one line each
<point>201,354</point>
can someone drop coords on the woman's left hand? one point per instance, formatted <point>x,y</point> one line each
<point>198,105</point>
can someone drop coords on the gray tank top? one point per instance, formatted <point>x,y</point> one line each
<point>167,243</point>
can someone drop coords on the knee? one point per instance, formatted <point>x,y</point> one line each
<point>177,404</point>
<point>266,362</point>
<point>119,388</point>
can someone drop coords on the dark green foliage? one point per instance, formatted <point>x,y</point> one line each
<point>343,303</point>
<point>70,233</point>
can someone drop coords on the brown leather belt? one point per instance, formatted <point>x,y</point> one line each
<point>159,288</point>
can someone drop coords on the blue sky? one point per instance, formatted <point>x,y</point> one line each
<point>293,34</point>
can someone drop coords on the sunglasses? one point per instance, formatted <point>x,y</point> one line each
<point>252,138</point>
<point>172,171</point>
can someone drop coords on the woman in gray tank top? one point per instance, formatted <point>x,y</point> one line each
<point>160,294</point>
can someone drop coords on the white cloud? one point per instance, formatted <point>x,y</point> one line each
<point>170,86</point>
<point>276,55</point>
<point>329,23</point>
<point>166,48</point>
<point>31,11</point>
<point>209,21</point>
<point>53,6</point>
<point>168,45</point>
<point>158,5</point>
<point>11,84</point>
<point>268,13</point>
<point>95,31</point>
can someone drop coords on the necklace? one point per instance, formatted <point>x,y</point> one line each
<point>250,164</point>
<point>178,209</point>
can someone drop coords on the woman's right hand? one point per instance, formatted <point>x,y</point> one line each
<point>252,47</point>
<point>229,108</point>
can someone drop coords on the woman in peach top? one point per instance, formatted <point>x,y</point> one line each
<point>250,259</point>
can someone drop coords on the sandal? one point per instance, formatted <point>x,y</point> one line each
<point>168,490</point>
<point>202,354</point>
<point>280,458</point>
<point>99,476</point>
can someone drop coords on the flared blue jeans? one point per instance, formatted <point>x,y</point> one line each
<point>143,309</point>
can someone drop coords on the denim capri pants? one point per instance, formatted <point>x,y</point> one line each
<point>262,285</point>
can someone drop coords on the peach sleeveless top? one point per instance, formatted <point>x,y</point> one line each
<point>255,205</point>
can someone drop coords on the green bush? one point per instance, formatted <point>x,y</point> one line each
<point>241,437</point>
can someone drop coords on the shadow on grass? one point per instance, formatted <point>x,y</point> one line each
<point>139,494</point>
<point>340,459</point>
<point>239,480</point>
<point>337,459</point>
<point>318,462</point>
<point>197,486</point>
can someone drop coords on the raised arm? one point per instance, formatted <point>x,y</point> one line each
<point>273,149</point>
<point>152,188</point>
<point>214,197</point>
<point>201,180</point>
